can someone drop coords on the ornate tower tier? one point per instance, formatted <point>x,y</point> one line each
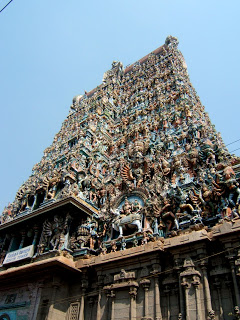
<point>136,182</point>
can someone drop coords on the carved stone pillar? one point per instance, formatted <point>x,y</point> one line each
<point>190,276</point>
<point>37,300</point>
<point>100,285</point>
<point>108,296</point>
<point>91,303</point>
<point>167,292</point>
<point>36,230</point>
<point>112,295</point>
<point>157,298</point>
<point>82,304</point>
<point>228,284</point>
<point>23,234</point>
<point>207,289</point>
<point>217,284</point>
<point>146,284</point>
<point>133,295</point>
<point>237,263</point>
<point>84,289</point>
<point>55,286</point>
<point>234,278</point>
<point>11,242</point>
<point>196,283</point>
<point>158,312</point>
<point>186,287</point>
<point>178,265</point>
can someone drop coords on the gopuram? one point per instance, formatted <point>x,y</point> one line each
<point>132,212</point>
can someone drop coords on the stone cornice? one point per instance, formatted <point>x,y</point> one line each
<point>226,230</point>
<point>76,202</point>
<point>56,262</point>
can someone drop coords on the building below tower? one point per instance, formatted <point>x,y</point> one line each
<point>132,212</point>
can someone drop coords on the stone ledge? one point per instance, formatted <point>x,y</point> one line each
<point>114,256</point>
<point>60,262</point>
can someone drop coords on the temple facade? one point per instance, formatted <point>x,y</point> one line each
<point>132,212</point>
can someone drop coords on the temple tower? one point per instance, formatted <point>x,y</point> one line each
<point>133,209</point>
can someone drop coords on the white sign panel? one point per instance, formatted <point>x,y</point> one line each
<point>20,254</point>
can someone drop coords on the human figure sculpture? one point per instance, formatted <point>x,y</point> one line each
<point>126,208</point>
<point>236,313</point>
<point>127,217</point>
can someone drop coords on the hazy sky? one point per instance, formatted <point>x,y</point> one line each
<point>54,50</point>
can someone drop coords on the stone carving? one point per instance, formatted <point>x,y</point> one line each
<point>236,313</point>
<point>53,234</point>
<point>211,315</point>
<point>114,74</point>
<point>142,131</point>
<point>128,217</point>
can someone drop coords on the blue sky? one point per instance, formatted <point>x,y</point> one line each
<point>54,50</point>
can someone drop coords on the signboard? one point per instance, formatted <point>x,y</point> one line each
<point>20,254</point>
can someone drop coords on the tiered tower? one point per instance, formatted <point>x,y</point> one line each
<point>136,162</point>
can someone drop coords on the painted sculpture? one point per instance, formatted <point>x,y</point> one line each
<point>141,149</point>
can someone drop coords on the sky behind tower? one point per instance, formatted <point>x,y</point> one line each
<point>54,50</point>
